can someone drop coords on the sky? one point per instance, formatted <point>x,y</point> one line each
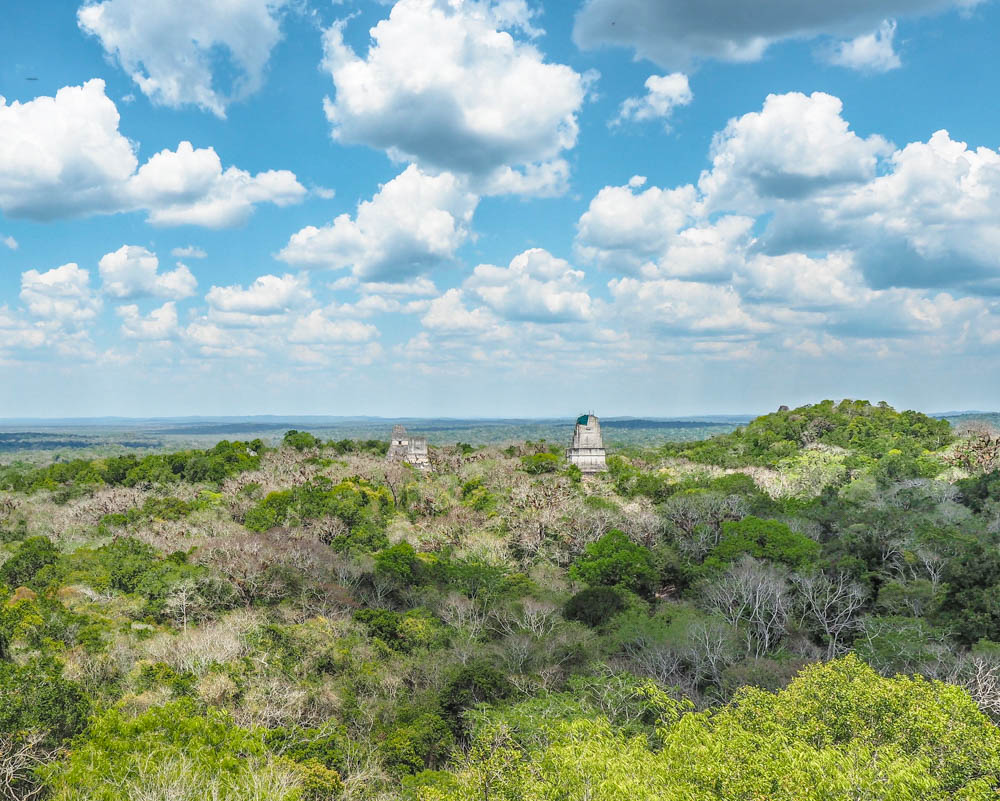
<point>483,208</point>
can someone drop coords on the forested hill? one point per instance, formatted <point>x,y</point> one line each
<point>804,608</point>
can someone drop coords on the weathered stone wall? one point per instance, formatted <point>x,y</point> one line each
<point>587,450</point>
<point>403,448</point>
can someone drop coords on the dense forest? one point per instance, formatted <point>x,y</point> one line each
<point>807,607</point>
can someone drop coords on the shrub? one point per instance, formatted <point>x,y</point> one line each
<point>35,696</point>
<point>30,557</point>
<point>595,605</point>
<point>475,683</point>
<point>762,539</point>
<point>615,561</point>
<point>538,463</point>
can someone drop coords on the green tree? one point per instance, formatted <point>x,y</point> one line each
<point>615,561</point>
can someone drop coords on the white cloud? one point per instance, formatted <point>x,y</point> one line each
<point>132,272</point>
<point>172,50</point>
<point>64,156</point>
<point>214,340</point>
<point>267,295</point>
<point>623,229</point>
<point>189,187</point>
<point>419,287</point>
<point>188,252</point>
<point>676,33</point>
<point>659,233</point>
<point>870,52</point>
<point>9,242</point>
<point>796,145</point>
<point>61,295</point>
<point>18,333</point>
<point>448,313</point>
<point>664,93</point>
<point>683,307</point>
<point>450,86</point>
<point>318,328</point>
<point>415,222</point>
<point>536,287</point>
<point>158,325</point>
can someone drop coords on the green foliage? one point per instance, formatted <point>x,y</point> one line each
<point>300,440</point>
<point>762,539</point>
<point>196,466</point>
<point>978,491</point>
<point>474,683</point>
<point>872,431</point>
<point>361,506</point>
<point>615,561</point>
<point>405,632</point>
<point>595,606</point>
<point>23,567</point>
<point>538,463</point>
<point>398,563</point>
<point>837,730</point>
<point>35,697</point>
<point>424,742</point>
<point>475,495</point>
<point>173,751</point>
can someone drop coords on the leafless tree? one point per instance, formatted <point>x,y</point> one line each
<point>980,675</point>
<point>832,603</point>
<point>697,519</point>
<point>710,650</point>
<point>979,451</point>
<point>19,756</point>
<point>756,597</point>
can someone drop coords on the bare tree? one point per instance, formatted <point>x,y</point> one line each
<point>980,675</point>
<point>19,756</point>
<point>832,603</point>
<point>756,597</point>
<point>979,452</point>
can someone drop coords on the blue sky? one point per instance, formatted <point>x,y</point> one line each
<point>478,208</point>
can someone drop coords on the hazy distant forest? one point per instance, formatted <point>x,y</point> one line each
<point>805,607</point>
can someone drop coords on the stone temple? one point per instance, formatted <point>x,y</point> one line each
<point>404,448</point>
<point>587,451</point>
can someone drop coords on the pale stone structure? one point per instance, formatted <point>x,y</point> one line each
<point>587,451</point>
<point>404,448</point>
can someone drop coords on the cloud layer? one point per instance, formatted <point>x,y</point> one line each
<point>64,156</point>
<point>175,52</point>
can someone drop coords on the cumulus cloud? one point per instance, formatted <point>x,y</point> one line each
<point>61,295</point>
<point>456,86</point>
<point>415,222</point>
<point>64,156</point>
<point>175,51</point>
<point>801,225</point>
<point>870,52</point>
<point>318,327</point>
<point>133,272</point>
<point>623,229</point>
<point>663,94</point>
<point>160,324</point>
<point>675,33</point>
<point>659,233</point>
<point>448,313</point>
<point>9,242</point>
<point>680,307</point>
<point>267,295</point>
<point>536,287</point>
<point>796,145</point>
<point>188,186</point>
